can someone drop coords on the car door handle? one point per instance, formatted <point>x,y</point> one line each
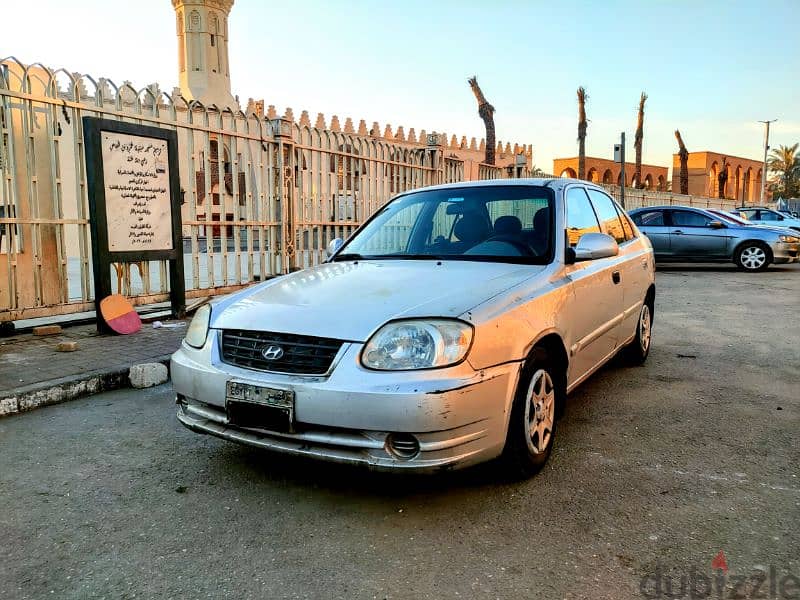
<point>677,232</point>
<point>615,277</point>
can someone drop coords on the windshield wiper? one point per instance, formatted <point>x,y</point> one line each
<point>355,256</point>
<point>411,256</point>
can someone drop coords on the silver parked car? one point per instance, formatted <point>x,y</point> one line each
<point>446,331</point>
<point>768,216</point>
<point>682,233</point>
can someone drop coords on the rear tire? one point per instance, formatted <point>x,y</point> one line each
<point>753,257</point>
<point>637,351</point>
<point>538,401</point>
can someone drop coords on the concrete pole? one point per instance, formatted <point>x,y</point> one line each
<point>763,198</point>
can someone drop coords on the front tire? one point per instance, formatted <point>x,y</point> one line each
<point>532,426</point>
<point>753,257</point>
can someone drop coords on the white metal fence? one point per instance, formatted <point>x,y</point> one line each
<point>260,195</point>
<point>635,198</point>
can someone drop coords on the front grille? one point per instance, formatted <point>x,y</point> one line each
<point>302,354</point>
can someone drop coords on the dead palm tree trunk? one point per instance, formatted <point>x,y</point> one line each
<point>486,112</point>
<point>722,178</point>
<point>582,97</point>
<point>637,142</point>
<point>683,155</point>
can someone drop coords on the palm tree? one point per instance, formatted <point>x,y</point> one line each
<point>486,112</point>
<point>784,161</point>
<point>683,154</point>
<point>637,142</point>
<point>582,98</point>
<point>722,178</point>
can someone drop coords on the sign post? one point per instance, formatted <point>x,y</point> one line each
<point>134,202</point>
<point>619,156</point>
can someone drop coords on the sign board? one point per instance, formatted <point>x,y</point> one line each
<point>138,203</point>
<point>134,201</point>
<point>617,153</point>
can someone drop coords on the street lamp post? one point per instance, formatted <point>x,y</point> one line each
<point>764,168</point>
<point>619,156</point>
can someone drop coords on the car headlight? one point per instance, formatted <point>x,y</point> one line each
<point>789,239</point>
<point>198,328</point>
<point>417,344</point>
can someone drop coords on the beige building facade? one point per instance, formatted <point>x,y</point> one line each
<point>743,181</point>
<point>602,170</point>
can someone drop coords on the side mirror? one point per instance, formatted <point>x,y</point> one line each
<point>716,225</point>
<point>592,246</point>
<point>333,246</point>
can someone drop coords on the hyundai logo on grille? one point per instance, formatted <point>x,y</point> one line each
<point>272,353</point>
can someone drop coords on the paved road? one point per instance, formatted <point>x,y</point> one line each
<point>656,470</point>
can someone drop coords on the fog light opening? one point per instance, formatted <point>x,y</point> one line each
<point>402,445</point>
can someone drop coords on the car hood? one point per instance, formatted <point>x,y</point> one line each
<point>764,229</point>
<point>781,230</point>
<point>350,300</point>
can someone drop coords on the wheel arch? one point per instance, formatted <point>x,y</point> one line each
<point>650,299</point>
<point>756,241</point>
<point>553,345</point>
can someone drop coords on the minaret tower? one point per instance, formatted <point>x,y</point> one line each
<point>202,27</point>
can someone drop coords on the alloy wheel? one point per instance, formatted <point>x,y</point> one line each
<point>645,325</point>
<point>753,257</point>
<point>540,411</point>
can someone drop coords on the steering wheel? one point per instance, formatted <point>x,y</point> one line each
<point>524,248</point>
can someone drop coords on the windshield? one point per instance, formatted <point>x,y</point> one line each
<point>488,223</point>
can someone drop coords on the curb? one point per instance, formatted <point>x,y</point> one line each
<point>67,388</point>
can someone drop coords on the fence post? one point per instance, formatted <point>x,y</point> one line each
<point>434,149</point>
<point>284,189</point>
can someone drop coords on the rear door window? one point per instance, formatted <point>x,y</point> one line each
<point>650,218</point>
<point>626,224</point>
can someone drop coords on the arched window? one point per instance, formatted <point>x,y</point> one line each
<point>347,168</point>
<point>713,182</point>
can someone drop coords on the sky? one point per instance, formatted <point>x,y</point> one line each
<point>713,69</point>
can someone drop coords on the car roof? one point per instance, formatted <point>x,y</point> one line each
<point>555,183</point>
<point>668,207</point>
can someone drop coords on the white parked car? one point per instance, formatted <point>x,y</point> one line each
<point>446,331</point>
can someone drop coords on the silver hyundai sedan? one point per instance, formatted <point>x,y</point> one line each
<point>446,331</point>
<point>683,233</point>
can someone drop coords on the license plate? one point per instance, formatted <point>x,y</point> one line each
<point>249,405</point>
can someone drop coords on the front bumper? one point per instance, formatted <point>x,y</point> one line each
<point>783,253</point>
<point>457,415</point>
